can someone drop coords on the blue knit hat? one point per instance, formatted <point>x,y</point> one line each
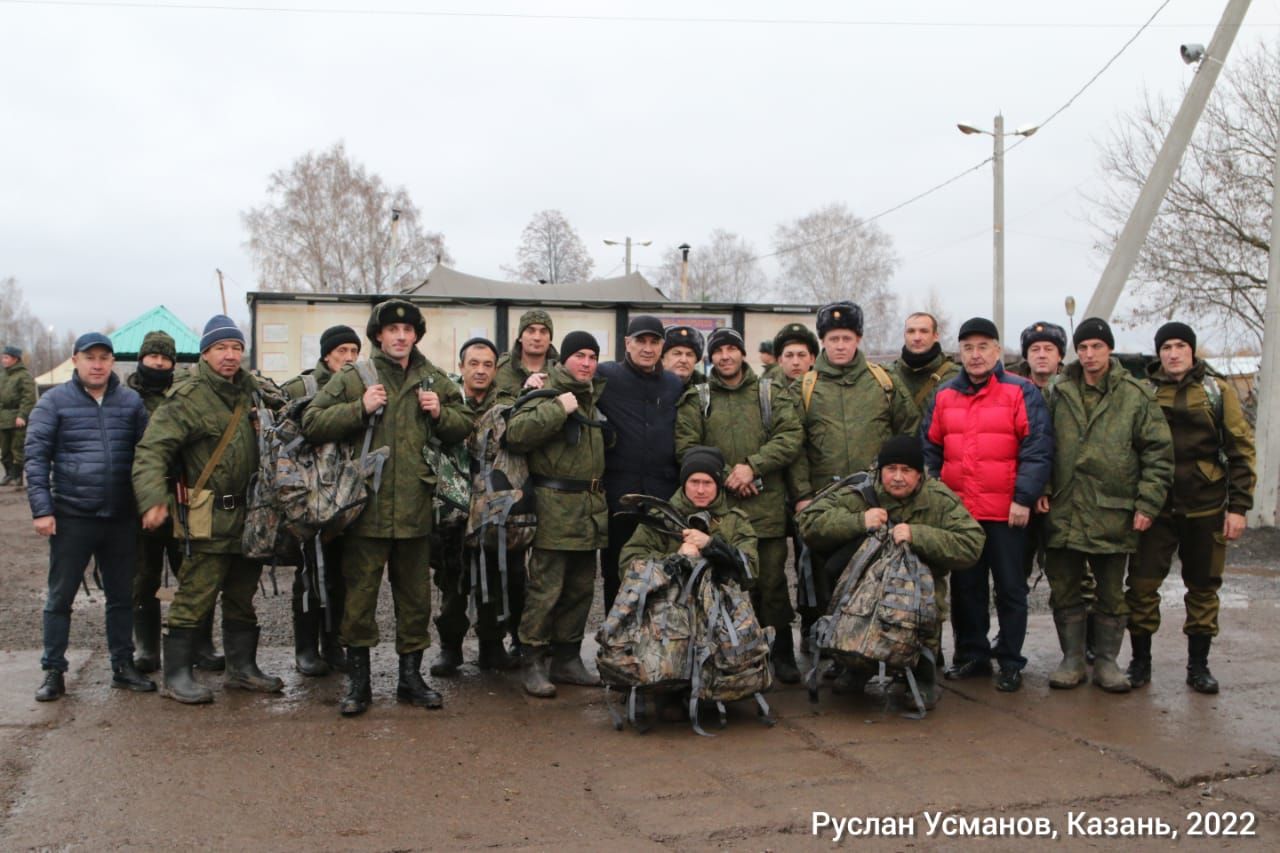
<point>220,328</point>
<point>13,351</point>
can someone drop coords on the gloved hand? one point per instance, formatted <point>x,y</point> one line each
<point>726,562</point>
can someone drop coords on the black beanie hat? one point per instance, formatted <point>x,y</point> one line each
<point>1047,333</point>
<point>1175,331</point>
<point>902,450</point>
<point>476,341</point>
<point>703,460</point>
<point>683,336</point>
<point>725,336</point>
<point>335,336</point>
<point>576,341</point>
<point>1094,328</point>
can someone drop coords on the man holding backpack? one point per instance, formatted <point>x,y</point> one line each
<point>412,402</point>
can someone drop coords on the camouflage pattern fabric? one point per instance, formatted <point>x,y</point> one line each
<point>646,639</point>
<point>731,648</point>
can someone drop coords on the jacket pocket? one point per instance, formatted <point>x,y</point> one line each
<point>1115,502</point>
<point>1210,470</point>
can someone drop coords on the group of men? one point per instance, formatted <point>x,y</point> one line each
<point>1103,474</point>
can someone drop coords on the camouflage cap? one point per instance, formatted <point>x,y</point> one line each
<point>157,342</point>
<point>535,316</point>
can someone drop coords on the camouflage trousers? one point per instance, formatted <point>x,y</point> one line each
<point>148,572</point>
<point>12,455</point>
<point>558,594</point>
<point>453,565</point>
<point>408,569</point>
<point>1200,544</point>
<point>1037,539</point>
<point>769,596</point>
<point>1067,569</point>
<point>202,577</point>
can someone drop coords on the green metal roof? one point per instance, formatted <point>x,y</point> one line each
<point>128,338</point>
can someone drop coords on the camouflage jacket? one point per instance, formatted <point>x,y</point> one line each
<point>296,388</point>
<point>734,424</point>
<point>1107,464</point>
<point>921,383</point>
<point>401,508</point>
<point>943,533</point>
<point>151,398</point>
<point>541,429</point>
<point>848,417</point>
<point>511,374</point>
<point>731,525</point>
<point>1021,368</point>
<point>1213,455</point>
<point>17,395</point>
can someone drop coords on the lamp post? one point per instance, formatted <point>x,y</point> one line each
<point>627,243</point>
<point>684,271</point>
<point>48,344</point>
<point>997,168</point>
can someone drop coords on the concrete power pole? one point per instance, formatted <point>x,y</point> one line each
<point>997,169</point>
<point>1134,235</point>
<point>1266,499</point>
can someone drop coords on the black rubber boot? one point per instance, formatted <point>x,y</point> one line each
<point>146,636</point>
<point>359,692</point>
<point>241,644</point>
<point>494,655</point>
<point>784,656</point>
<point>206,657</point>
<point>125,676</point>
<point>1139,672</point>
<point>567,666</point>
<point>412,688</point>
<point>179,684</point>
<point>1090,653</point>
<point>1198,675</point>
<point>306,639</point>
<point>52,688</point>
<point>331,650</point>
<point>534,664</point>
<point>448,660</point>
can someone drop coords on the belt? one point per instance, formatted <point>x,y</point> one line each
<point>228,502</point>
<point>565,485</point>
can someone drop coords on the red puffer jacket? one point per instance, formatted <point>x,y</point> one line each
<point>992,443</point>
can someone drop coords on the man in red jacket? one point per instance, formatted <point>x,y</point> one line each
<point>988,436</point>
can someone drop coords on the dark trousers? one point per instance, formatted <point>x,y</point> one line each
<point>621,529</point>
<point>113,541</point>
<point>1002,563</point>
<point>454,563</point>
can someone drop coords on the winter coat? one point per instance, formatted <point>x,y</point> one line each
<point>922,383</point>
<point>151,397</point>
<point>731,525</point>
<point>511,375</point>
<point>80,452</point>
<point>992,443</point>
<point>296,388</point>
<point>17,395</point>
<point>641,412</point>
<point>401,508</point>
<point>1111,461</point>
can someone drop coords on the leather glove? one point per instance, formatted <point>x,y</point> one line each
<point>726,562</point>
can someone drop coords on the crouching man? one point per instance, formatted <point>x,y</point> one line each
<point>923,513</point>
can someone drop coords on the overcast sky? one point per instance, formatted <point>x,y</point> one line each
<point>133,137</point>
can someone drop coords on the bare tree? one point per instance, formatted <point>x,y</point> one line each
<point>327,227</point>
<point>16,320</point>
<point>550,252</point>
<point>1205,258</point>
<point>935,306</point>
<point>722,269</point>
<point>829,255</point>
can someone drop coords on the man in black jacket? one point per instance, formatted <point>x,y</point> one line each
<point>79,460</point>
<point>639,401</point>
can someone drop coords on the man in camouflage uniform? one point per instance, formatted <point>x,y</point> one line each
<point>797,349</point>
<point>730,415</point>
<point>17,399</point>
<point>209,409</point>
<point>769,361</point>
<point>317,650</point>
<point>1111,472</point>
<point>564,443</point>
<point>410,404</point>
<point>454,560</point>
<point>923,366</point>
<point>923,512</point>
<point>532,357</point>
<point>1213,481</point>
<point>681,353</point>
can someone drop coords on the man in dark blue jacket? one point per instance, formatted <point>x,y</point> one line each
<point>639,401</point>
<point>79,449</point>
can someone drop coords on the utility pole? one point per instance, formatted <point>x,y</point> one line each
<point>395,245</point>
<point>627,243</point>
<point>997,228</point>
<point>684,271</point>
<point>222,290</point>
<point>1266,499</point>
<point>1134,235</point>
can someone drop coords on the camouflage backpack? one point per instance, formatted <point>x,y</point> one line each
<point>730,650</point>
<point>452,466</point>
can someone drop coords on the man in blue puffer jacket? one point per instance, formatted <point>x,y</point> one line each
<point>79,450</point>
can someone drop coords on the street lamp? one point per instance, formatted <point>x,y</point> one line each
<point>627,243</point>
<point>997,160</point>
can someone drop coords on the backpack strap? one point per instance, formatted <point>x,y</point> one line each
<point>766,403</point>
<point>368,374</point>
<point>704,398</point>
<point>882,376</point>
<point>309,384</point>
<point>806,387</point>
<point>227,435</point>
<point>927,388</point>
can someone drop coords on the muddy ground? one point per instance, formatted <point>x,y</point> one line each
<point>108,769</point>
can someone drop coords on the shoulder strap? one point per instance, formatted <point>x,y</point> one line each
<point>368,372</point>
<point>766,403</point>
<point>806,387</point>
<point>929,385</point>
<point>882,376</point>
<point>704,397</point>
<point>227,435</point>
<point>309,384</point>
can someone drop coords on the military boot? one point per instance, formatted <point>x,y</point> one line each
<point>7,480</point>
<point>534,664</point>
<point>18,483</point>
<point>926,675</point>
<point>125,676</point>
<point>1198,675</point>
<point>1090,655</point>
<point>332,652</point>
<point>179,652</point>
<point>53,686</point>
<point>306,639</point>
<point>784,657</point>
<point>146,636</point>
<point>567,666</point>
<point>206,656</point>
<point>851,681</point>
<point>1139,672</point>
<point>1072,624</point>
<point>240,640</point>
<point>359,692</point>
<point>494,655</point>
<point>448,660</point>
<point>412,688</point>
<point>1109,635</point>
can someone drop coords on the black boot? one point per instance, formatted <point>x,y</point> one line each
<point>18,483</point>
<point>206,657</point>
<point>1139,672</point>
<point>447,662</point>
<point>359,692</point>
<point>306,638</point>
<point>493,655</point>
<point>567,666</point>
<point>1090,631</point>
<point>412,688</point>
<point>240,640</point>
<point>179,652</point>
<point>146,636</point>
<point>126,677</point>
<point>332,652</point>
<point>53,686</point>
<point>8,480</point>
<point>784,656</point>
<point>1198,675</point>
